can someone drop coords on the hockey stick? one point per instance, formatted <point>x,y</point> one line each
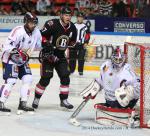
<point>72,119</point>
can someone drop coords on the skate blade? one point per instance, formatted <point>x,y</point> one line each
<point>74,122</point>
<point>20,112</point>
<point>66,109</point>
<point>5,113</point>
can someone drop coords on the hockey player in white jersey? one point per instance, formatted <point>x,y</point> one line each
<point>120,83</point>
<point>20,44</point>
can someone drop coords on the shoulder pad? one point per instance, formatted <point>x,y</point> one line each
<point>127,66</point>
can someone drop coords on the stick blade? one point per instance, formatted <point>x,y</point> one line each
<point>74,122</point>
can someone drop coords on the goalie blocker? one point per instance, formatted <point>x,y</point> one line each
<point>91,90</point>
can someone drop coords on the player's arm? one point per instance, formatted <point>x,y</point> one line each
<point>130,89</point>
<point>87,36</point>
<point>47,52</point>
<point>39,41</point>
<point>73,38</point>
<point>88,32</point>
<point>12,40</point>
<point>46,33</point>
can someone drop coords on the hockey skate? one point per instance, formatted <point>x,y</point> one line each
<point>65,104</point>
<point>23,108</point>
<point>81,73</point>
<point>35,103</point>
<point>4,110</point>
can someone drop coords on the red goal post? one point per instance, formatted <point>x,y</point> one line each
<point>138,55</point>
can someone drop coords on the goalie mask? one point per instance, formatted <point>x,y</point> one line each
<point>117,58</point>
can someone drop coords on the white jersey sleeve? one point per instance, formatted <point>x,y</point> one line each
<point>103,68</point>
<point>18,38</point>
<point>134,81</point>
<point>13,39</point>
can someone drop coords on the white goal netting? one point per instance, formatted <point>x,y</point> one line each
<point>138,55</point>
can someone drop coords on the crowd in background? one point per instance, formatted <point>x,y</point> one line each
<point>110,8</point>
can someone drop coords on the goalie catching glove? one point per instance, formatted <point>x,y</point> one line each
<point>124,95</point>
<point>19,57</point>
<point>91,90</point>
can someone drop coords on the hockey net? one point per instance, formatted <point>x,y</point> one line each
<point>138,55</point>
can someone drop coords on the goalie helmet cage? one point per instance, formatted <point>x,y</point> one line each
<point>138,55</point>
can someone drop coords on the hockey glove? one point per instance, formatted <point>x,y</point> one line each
<point>48,55</point>
<point>91,90</point>
<point>124,95</point>
<point>19,57</point>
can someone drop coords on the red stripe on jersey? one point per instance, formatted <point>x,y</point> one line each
<point>64,92</point>
<point>14,31</point>
<point>64,86</point>
<point>40,87</point>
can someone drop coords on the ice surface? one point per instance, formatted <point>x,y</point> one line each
<point>50,120</point>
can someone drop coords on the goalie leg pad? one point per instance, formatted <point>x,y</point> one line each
<point>112,116</point>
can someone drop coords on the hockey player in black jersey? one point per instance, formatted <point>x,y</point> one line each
<point>83,37</point>
<point>57,36</point>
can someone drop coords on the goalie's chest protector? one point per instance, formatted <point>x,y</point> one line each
<point>111,80</point>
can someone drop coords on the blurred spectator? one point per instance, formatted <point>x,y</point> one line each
<point>88,12</point>
<point>75,11</point>
<point>41,6</point>
<point>94,5</point>
<point>119,9</point>
<point>146,11</point>
<point>58,12</point>
<point>3,11</point>
<point>80,4</point>
<point>105,8</point>
<point>27,5</point>
<point>17,7</point>
<point>50,11</point>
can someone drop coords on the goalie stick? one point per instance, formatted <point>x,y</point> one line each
<point>72,119</point>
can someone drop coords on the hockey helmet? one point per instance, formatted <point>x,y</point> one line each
<point>118,58</point>
<point>29,17</point>
<point>80,14</point>
<point>66,10</point>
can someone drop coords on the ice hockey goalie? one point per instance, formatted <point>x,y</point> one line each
<point>121,88</point>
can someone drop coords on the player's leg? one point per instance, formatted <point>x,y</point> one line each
<point>10,74</point>
<point>72,59</point>
<point>46,74</point>
<point>81,60</point>
<point>26,76</point>
<point>115,104</point>
<point>63,73</point>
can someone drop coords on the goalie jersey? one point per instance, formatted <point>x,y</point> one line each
<point>110,80</point>
<point>18,38</point>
